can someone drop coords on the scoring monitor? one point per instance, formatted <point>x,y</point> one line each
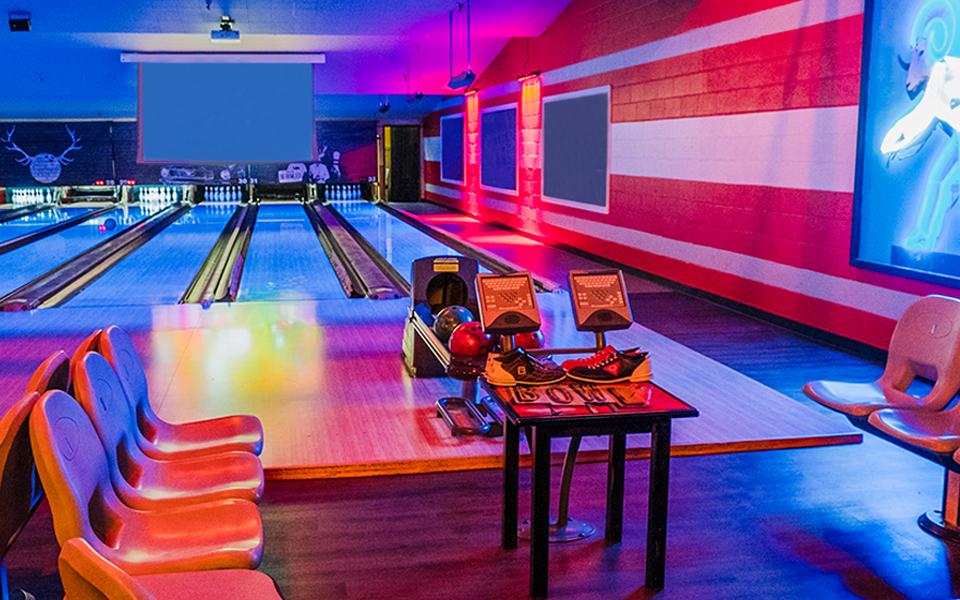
<point>508,303</point>
<point>600,300</point>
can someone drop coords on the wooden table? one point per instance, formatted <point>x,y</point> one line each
<point>568,410</point>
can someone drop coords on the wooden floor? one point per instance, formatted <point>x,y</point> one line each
<point>834,522</point>
<point>326,380</point>
<point>827,522</point>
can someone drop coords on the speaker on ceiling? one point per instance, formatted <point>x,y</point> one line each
<point>19,21</point>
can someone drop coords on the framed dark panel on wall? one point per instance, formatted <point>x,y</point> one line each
<point>576,149</point>
<point>498,148</point>
<point>906,219</point>
<point>451,149</point>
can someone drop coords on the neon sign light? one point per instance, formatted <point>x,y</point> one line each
<point>933,75</point>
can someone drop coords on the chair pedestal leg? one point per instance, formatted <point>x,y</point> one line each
<point>945,523</point>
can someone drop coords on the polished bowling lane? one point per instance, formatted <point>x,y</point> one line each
<point>159,271</point>
<point>285,260</point>
<point>28,262</point>
<point>38,220</point>
<point>398,242</point>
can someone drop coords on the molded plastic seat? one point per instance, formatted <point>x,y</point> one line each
<point>145,483</point>
<point>225,534</point>
<point>160,439</point>
<point>936,431</point>
<point>90,344</point>
<point>19,487</point>
<point>925,343</point>
<point>52,374</point>
<point>89,575</point>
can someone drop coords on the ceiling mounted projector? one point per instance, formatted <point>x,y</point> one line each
<point>465,77</point>
<point>226,33</point>
<point>462,80</point>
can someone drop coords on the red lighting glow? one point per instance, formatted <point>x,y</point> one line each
<point>472,174</point>
<point>530,164</point>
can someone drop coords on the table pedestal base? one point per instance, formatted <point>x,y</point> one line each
<point>573,531</point>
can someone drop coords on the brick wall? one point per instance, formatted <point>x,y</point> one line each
<point>733,142</point>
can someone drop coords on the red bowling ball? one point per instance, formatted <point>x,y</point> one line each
<point>469,339</point>
<point>531,340</point>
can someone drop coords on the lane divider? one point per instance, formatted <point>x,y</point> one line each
<point>58,285</point>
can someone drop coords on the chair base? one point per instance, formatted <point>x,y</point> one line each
<point>574,531</point>
<point>932,522</point>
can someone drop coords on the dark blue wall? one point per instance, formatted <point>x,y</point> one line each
<point>108,150</point>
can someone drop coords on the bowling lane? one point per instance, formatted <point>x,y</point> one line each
<point>285,260</point>
<point>29,262</point>
<point>38,220</point>
<point>398,242</point>
<point>159,271</point>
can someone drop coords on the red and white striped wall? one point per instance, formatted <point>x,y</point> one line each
<point>733,144</point>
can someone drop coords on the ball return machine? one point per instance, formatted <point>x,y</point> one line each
<point>437,282</point>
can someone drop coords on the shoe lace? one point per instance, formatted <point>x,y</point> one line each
<point>600,358</point>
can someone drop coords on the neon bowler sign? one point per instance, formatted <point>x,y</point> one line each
<point>908,156</point>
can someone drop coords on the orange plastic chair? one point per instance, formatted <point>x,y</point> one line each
<point>160,439</point>
<point>90,344</point>
<point>225,534</point>
<point>88,575</point>
<point>925,343</point>
<point>143,482</point>
<point>52,374</point>
<point>20,491</point>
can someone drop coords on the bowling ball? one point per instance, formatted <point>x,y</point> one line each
<point>101,228</point>
<point>531,340</point>
<point>469,339</point>
<point>110,224</point>
<point>448,319</point>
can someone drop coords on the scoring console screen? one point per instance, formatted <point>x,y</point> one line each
<point>599,300</point>
<point>507,303</point>
<point>599,291</point>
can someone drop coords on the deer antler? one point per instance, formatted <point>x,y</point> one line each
<point>74,138</point>
<point>9,145</point>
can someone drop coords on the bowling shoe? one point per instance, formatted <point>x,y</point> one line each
<point>518,367</point>
<point>609,365</point>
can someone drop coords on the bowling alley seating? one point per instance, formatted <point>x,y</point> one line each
<point>72,463</point>
<point>160,439</point>
<point>925,343</point>
<point>88,575</point>
<point>20,491</point>
<point>146,483</point>
<point>90,344</point>
<point>52,374</point>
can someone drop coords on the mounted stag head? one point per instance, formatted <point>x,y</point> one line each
<point>44,167</point>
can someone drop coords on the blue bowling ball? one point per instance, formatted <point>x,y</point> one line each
<point>110,224</point>
<point>448,319</point>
